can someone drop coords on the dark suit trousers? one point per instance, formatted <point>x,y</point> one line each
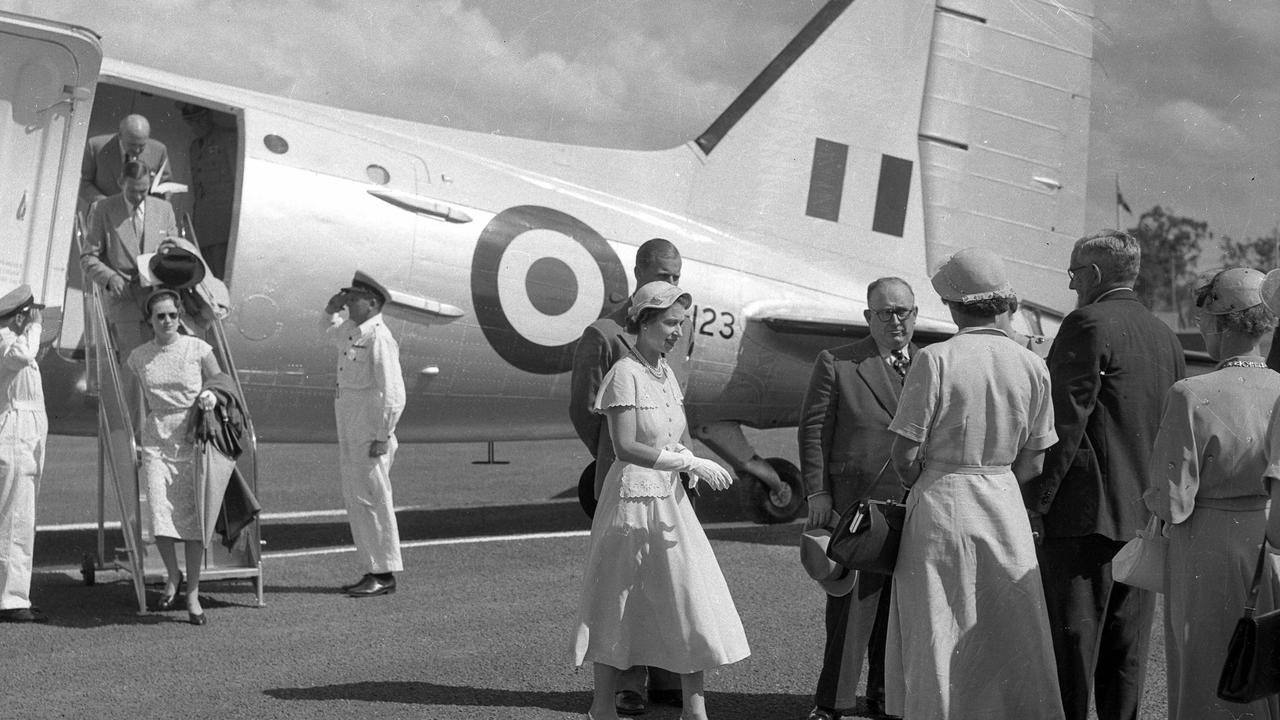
<point>852,629</point>
<point>1101,628</point>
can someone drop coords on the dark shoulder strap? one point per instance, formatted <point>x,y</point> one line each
<point>1257,580</point>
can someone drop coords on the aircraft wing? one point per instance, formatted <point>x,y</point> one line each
<point>801,318</point>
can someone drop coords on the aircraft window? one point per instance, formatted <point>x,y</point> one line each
<point>276,144</point>
<point>378,174</point>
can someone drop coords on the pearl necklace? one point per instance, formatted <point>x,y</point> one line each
<point>1237,362</point>
<point>659,371</point>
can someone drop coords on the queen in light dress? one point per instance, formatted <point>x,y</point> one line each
<point>171,368</point>
<point>653,593</point>
<point>1207,483</point>
<point>968,629</point>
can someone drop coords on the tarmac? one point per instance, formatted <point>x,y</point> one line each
<point>479,627</point>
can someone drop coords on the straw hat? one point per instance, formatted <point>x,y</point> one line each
<point>972,274</point>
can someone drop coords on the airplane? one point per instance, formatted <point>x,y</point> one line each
<point>886,135</point>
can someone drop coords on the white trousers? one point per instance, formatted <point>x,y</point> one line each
<point>22,439</point>
<point>366,483</point>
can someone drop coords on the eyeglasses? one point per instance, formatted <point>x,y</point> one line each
<point>166,316</point>
<point>1071,271</point>
<point>901,314</point>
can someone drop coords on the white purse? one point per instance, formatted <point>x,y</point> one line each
<point>1141,562</point>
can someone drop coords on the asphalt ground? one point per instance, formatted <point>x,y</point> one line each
<point>479,627</point>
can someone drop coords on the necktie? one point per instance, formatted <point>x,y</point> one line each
<point>138,223</point>
<point>898,360</point>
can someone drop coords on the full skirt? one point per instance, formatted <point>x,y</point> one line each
<point>652,591</point>
<point>968,630</point>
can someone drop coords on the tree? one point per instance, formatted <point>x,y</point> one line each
<point>1170,248</point>
<point>1262,253</point>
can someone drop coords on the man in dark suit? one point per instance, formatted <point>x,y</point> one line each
<point>106,155</point>
<point>121,228</point>
<point>844,446</point>
<point>602,344</point>
<point>1111,365</point>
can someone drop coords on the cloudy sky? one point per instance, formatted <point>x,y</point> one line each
<point>1186,93</point>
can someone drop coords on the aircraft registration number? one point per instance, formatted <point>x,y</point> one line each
<point>709,321</point>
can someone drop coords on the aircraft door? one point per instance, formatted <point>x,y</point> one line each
<point>47,72</point>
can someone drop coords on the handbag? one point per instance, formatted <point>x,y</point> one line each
<point>1141,562</point>
<point>1252,669</point>
<point>867,537</point>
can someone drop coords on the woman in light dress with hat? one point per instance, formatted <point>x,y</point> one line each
<point>1211,453</point>
<point>968,630</point>
<point>653,593</point>
<point>171,368</point>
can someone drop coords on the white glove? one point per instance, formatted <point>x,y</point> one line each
<point>206,400</point>
<point>714,475</point>
<point>681,461</point>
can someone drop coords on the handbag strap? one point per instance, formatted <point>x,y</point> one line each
<point>1257,579</point>
<point>884,468</point>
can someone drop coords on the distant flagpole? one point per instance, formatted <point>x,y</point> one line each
<point>1120,203</point>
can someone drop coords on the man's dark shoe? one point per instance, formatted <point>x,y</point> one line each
<point>373,585</point>
<point>349,586</point>
<point>669,696</point>
<point>874,708</point>
<point>23,615</point>
<point>821,713</point>
<point>628,702</point>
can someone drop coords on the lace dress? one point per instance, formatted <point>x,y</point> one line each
<point>171,378</point>
<point>652,592</point>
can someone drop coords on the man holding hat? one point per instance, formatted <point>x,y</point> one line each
<point>369,402</point>
<point>844,451</point>
<point>121,228</point>
<point>1111,364</point>
<point>23,428</point>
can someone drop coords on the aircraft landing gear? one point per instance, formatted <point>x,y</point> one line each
<point>774,504</point>
<point>772,487</point>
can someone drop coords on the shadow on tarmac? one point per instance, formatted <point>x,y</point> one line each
<point>68,547</point>
<point>426,693</point>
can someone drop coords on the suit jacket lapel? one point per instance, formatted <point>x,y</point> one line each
<point>123,223</point>
<point>875,372</point>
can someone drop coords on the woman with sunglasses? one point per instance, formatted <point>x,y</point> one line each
<point>171,369</point>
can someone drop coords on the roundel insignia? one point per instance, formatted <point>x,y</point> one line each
<point>538,278</point>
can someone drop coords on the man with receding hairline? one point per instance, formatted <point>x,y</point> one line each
<point>106,155</point>
<point>1110,366</point>
<point>844,442</point>
<point>602,344</point>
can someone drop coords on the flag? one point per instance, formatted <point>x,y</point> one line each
<point>1120,199</point>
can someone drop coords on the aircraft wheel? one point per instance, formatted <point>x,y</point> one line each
<point>771,507</point>
<point>88,570</point>
<point>587,489</point>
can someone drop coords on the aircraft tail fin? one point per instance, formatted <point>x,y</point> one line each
<point>894,132</point>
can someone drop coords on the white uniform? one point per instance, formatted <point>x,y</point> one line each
<point>23,429</point>
<point>369,402</point>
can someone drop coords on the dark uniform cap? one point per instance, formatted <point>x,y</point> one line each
<point>20,298</point>
<point>362,283</point>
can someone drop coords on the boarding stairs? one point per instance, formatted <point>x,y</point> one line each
<point>119,458</point>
